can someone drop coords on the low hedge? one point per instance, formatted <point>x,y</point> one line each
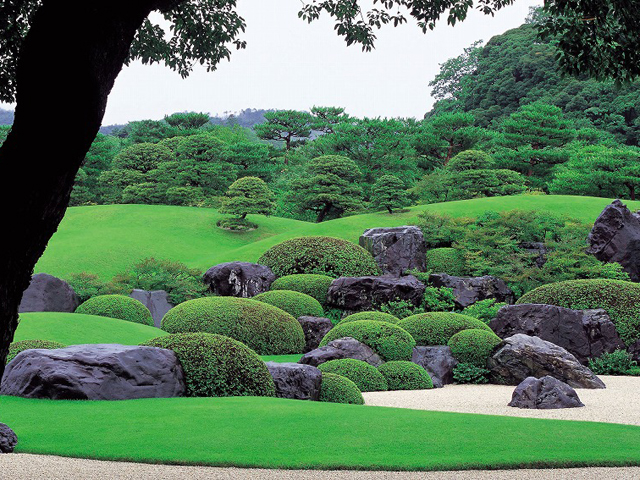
<point>446,260</point>
<point>316,286</point>
<point>218,366</point>
<point>16,347</point>
<point>436,328</point>
<point>117,306</point>
<point>262,327</point>
<point>473,346</point>
<point>294,303</point>
<point>372,316</point>
<point>402,375</point>
<point>366,377</point>
<point>338,389</point>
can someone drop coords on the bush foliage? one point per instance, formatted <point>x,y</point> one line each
<point>446,260</point>
<point>338,389</point>
<point>117,306</point>
<point>470,373</point>
<point>473,346</point>
<point>437,328</point>
<point>294,303</point>
<point>403,375</point>
<point>366,377</point>
<point>316,286</point>
<point>16,347</point>
<point>371,316</point>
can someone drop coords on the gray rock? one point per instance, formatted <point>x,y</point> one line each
<point>314,328</point>
<point>438,361</point>
<point>584,333</point>
<point>8,439</point>
<point>521,356</point>
<point>157,301</point>
<point>634,350</point>
<point>297,381</point>
<point>239,279</point>
<point>95,372</point>
<point>395,249</point>
<point>469,290</point>
<point>544,393</point>
<point>346,347</point>
<point>47,293</point>
<point>366,293</point>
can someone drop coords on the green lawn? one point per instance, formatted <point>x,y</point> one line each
<point>275,433</point>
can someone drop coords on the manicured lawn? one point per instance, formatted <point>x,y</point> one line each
<point>275,433</point>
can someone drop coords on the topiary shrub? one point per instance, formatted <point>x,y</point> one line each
<point>366,377</point>
<point>473,346</point>
<point>294,303</point>
<point>402,375</point>
<point>371,316</point>
<point>117,306</point>
<point>329,256</point>
<point>316,286</point>
<point>620,299</point>
<point>264,328</point>
<point>386,339</point>
<point>446,260</point>
<point>218,366</point>
<point>338,389</point>
<point>16,347</point>
<point>436,328</point>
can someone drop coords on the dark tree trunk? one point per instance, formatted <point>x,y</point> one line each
<point>323,213</point>
<point>390,211</point>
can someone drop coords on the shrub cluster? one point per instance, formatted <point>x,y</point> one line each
<point>404,375</point>
<point>338,389</point>
<point>446,260</point>
<point>469,373</point>
<point>371,316</point>
<point>294,303</point>
<point>484,310</point>
<point>436,328</point>
<point>117,306</point>
<point>366,377</point>
<point>316,286</point>
<point>618,362</point>
<point>473,346</point>
<point>16,347</point>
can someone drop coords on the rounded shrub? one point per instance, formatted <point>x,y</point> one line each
<point>264,328</point>
<point>316,286</point>
<point>294,303</point>
<point>386,339</point>
<point>402,375</point>
<point>620,299</point>
<point>473,346</point>
<point>436,328</point>
<point>338,389</point>
<point>218,366</point>
<point>446,260</point>
<point>329,256</point>
<point>16,347</point>
<point>371,316</point>
<point>366,377</point>
<point>117,306</point>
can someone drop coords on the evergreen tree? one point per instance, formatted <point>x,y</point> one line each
<point>248,195</point>
<point>389,192</point>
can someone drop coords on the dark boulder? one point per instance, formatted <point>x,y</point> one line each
<point>47,293</point>
<point>615,237</point>
<point>366,293</point>
<point>522,356</point>
<point>584,333</point>
<point>346,347</point>
<point>438,361</point>
<point>8,439</point>
<point>469,290</point>
<point>634,351</point>
<point>239,279</point>
<point>314,328</point>
<point>396,249</point>
<point>293,380</point>
<point>544,393</point>
<point>95,372</point>
<point>157,301</point>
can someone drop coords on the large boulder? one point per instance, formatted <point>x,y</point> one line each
<point>346,347</point>
<point>366,293</point>
<point>438,361</point>
<point>522,356</point>
<point>615,237</point>
<point>395,249</point>
<point>544,393</point>
<point>95,372</point>
<point>239,279</point>
<point>584,333</point>
<point>314,328</point>
<point>157,301</point>
<point>297,381</point>
<point>47,293</point>
<point>469,290</point>
<point>8,439</point>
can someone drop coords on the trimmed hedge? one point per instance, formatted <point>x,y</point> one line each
<point>316,286</point>
<point>218,366</point>
<point>436,328</point>
<point>117,306</point>
<point>262,327</point>
<point>402,375</point>
<point>446,260</point>
<point>366,377</point>
<point>16,347</point>
<point>473,346</point>
<point>329,256</point>
<point>294,303</point>
<point>620,299</point>
<point>338,389</point>
<point>386,339</point>
<point>372,316</point>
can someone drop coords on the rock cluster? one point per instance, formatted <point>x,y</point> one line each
<point>239,279</point>
<point>296,381</point>
<point>314,328</point>
<point>365,293</point>
<point>47,293</point>
<point>157,301</point>
<point>347,347</point>
<point>437,361</point>
<point>8,439</point>
<point>544,393</point>
<point>469,290</point>
<point>395,249</point>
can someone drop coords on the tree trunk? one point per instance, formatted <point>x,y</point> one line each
<point>390,211</point>
<point>323,212</point>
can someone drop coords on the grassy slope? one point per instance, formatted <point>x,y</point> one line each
<point>107,239</point>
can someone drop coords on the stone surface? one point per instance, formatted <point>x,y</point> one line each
<point>634,350</point>
<point>95,372</point>
<point>544,393</point>
<point>584,333</point>
<point>615,237</point>
<point>538,249</point>
<point>469,290</point>
<point>297,381</point>
<point>47,293</point>
<point>396,249</point>
<point>438,361</point>
<point>365,293</point>
<point>346,347</point>
<point>239,279</point>
<point>521,356</point>
<point>8,439</point>
<point>314,328</point>
<point>157,301</point>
